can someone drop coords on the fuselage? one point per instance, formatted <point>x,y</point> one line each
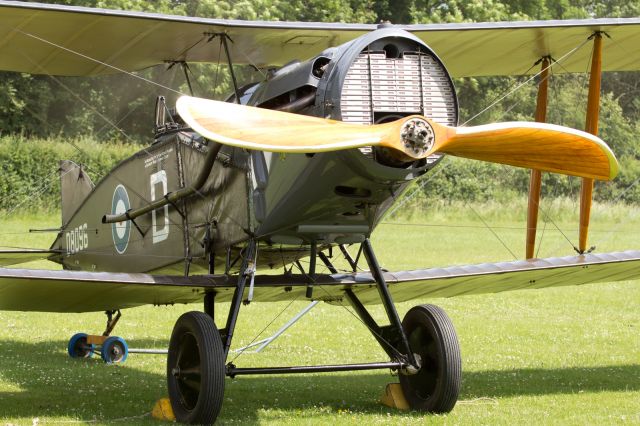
<point>286,202</point>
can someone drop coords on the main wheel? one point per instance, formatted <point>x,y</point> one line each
<point>432,337</point>
<point>114,350</point>
<point>195,369</point>
<point>78,347</point>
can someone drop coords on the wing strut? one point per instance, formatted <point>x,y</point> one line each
<point>535,182</point>
<point>224,44</point>
<point>591,126</point>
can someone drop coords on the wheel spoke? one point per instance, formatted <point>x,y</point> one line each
<point>416,340</point>
<point>188,372</point>
<point>190,383</point>
<point>180,350</point>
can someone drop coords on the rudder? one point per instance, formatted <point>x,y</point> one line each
<point>75,186</point>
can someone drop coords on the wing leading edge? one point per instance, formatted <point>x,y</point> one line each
<point>72,291</point>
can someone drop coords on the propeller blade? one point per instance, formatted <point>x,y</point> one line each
<point>269,130</point>
<point>540,146</point>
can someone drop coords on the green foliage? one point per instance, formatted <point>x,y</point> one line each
<point>29,168</point>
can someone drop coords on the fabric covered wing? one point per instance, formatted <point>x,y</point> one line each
<point>136,40</point>
<point>75,291</point>
<point>508,276</point>
<point>512,48</point>
<point>69,291</point>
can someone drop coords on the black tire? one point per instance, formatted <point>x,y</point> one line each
<point>195,369</point>
<point>435,388</point>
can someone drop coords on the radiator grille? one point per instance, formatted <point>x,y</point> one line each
<point>415,83</point>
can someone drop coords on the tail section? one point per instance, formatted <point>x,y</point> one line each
<point>75,186</point>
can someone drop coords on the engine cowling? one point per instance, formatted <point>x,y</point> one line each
<point>379,77</point>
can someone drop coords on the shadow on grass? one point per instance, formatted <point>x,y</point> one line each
<point>40,380</point>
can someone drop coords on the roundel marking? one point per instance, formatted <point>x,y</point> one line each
<point>120,231</point>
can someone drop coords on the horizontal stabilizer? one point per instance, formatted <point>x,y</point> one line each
<point>73,291</point>
<point>540,146</point>
<point>15,257</point>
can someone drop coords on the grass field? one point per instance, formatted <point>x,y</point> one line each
<point>556,356</point>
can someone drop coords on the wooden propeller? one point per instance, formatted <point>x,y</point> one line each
<point>539,146</point>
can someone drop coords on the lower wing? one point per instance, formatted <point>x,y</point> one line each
<point>72,291</point>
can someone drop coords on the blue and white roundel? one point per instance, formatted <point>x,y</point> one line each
<point>120,230</point>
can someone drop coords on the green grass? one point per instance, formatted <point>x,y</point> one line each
<point>555,356</point>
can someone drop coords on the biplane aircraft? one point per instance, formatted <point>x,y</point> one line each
<point>302,164</point>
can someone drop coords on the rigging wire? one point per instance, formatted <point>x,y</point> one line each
<point>341,304</point>
<point>131,110</point>
<point>91,107</point>
<point>25,190</point>
<point>80,150</point>
<point>246,347</point>
<point>113,67</point>
<point>499,99</point>
<point>423,180</point>
<point>492,231</point>
<point>492,104</point>
<point>519,86</point>
<point>371,330</point>
<point>37,195</point>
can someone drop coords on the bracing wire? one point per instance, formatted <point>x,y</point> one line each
<point>113,67</point>
<point>522,84</point>
<point>109,122</point>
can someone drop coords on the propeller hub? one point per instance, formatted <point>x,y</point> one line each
<point>417,137</point>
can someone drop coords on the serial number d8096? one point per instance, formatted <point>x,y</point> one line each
<point>77,239</point>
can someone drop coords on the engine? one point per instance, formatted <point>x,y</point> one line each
<point>379,77</point>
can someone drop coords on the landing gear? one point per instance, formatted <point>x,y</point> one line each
<point>78,346</point>
<point>423,348</point>
<point>114,350</point>
<point>195,369</point>
<point>432,337</point>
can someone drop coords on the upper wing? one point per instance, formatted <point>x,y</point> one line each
<point>69,291</point>
<point>135,40</point>
<point>31,33</point>
<point>511,48</point>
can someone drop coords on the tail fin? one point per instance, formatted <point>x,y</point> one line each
<point>75,186</point>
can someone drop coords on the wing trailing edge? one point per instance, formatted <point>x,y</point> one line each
<point>73,291</point>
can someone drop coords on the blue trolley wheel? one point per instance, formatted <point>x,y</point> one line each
<point>114,350</point>
<point>78,347</point>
